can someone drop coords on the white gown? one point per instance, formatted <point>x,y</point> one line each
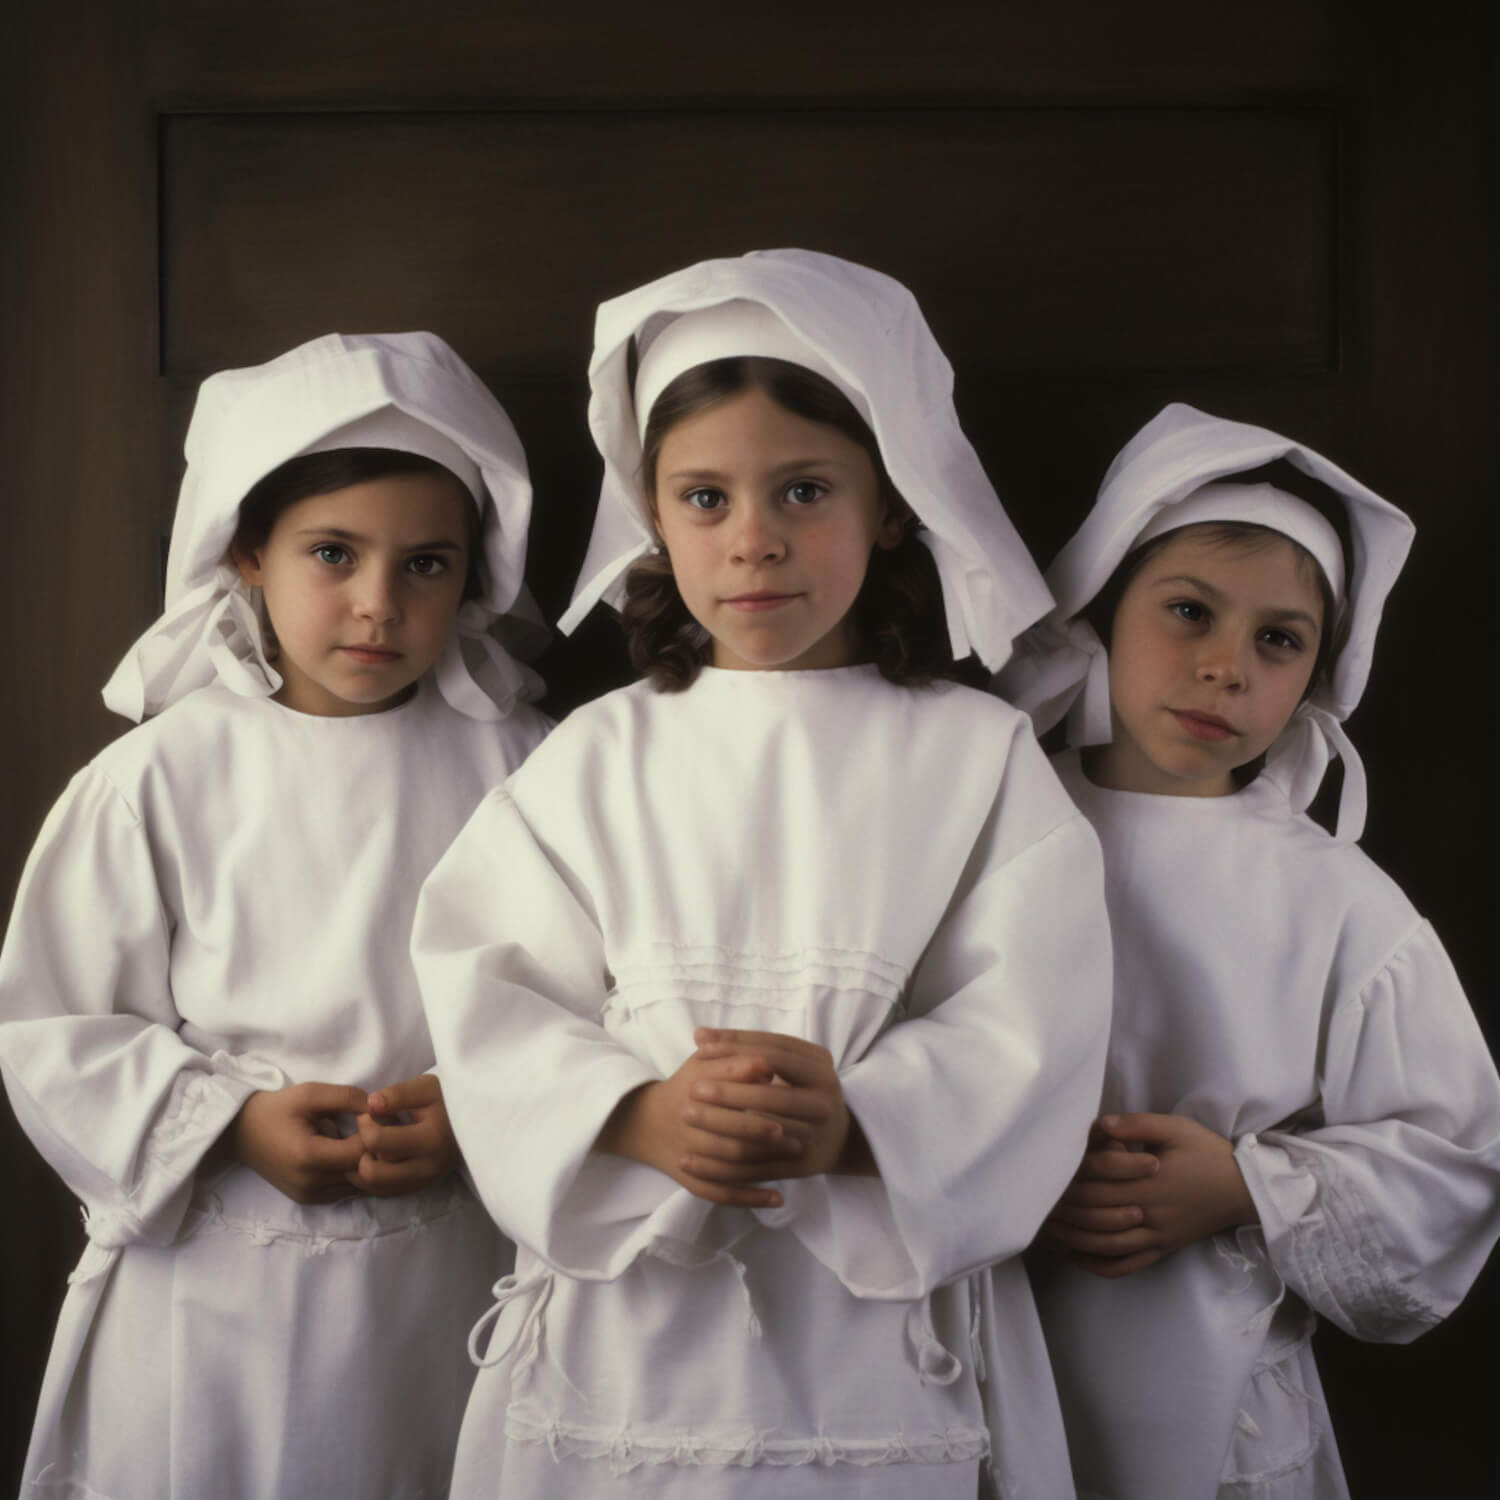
<point>893,873</point>
<point>1272,984</point>
<point>221,902</point>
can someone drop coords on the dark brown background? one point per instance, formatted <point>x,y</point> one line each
<point>1281,212</point>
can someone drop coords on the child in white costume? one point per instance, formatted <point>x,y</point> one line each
<point>208,959</point>
<point>881,887</point>
<point>1315,1123</point>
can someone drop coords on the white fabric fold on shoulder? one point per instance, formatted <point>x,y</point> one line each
<point>863,331</point>
<point>407,391</point>
<point>1061,670</point>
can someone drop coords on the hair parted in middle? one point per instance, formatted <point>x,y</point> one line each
<point>898,616</point>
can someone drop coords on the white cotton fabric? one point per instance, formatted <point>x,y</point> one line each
<point>798,852</point>
<point>220,902</point>
<point>867,330</point>
<point>1259,505</point>
<point>407,391</point>
<point>1273,985</point>
<point>1061,668</point>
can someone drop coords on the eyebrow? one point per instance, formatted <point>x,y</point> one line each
<point>794,466</point>
<point>1281,616</point>
<point>441,544</point>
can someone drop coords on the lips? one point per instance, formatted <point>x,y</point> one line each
<point>761,600</point>
<point>1208,727</point>
<point>371,655</point>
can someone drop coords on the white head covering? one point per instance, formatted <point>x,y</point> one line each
<point>1165,477</point>
<point>407,391</point>
<point>865,333</point>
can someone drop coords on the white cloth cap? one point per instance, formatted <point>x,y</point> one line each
<point>864,332</point>
<point>1061,668</point>
<point>392,428</point>
<point>407,391</point>
<point>731,329</point>
<point>1258,505</point>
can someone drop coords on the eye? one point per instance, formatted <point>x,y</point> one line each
<point>705,498</point>
<point>427,565</point>
<point>805,491</point>
<point>1281,640</point>
<point>331,553</point>
<point>1189,609</point>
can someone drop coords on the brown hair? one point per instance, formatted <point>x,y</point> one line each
<point>898,618</point>
<point>312,474</point>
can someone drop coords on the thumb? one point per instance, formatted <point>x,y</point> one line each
<point>1142,1129</point>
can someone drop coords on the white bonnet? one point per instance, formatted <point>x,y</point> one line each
<point>407,391</point>
<point>863,331</point>
<point>1061,669</point>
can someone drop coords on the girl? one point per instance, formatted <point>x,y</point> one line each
<point>208,1021</point>
<point>878,885</point>
<point>1314,1123</point>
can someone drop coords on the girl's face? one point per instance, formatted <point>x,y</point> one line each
<point>768,519</point>
<point>1211,650</point>
<point>361,587</point>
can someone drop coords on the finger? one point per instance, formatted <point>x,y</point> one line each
<point>410,1093</point>
<point>809,1069</point>
<point>740,1125</point>
<point>1119,1166</point>
<point>1099,1220</point>
<point>710,1036</point>
<point>326,1099</point>
<point>1146,1129</point>
<point>399,1142</point>
<point>715,1169</point>
<point>323,1153</point>
<point>1104,1194</point>
<point>728,1195</point>
<point>768,1156</point>
<point>385,1179</point>
<point>1114,1244</point>
<point>794,1103</point>
<point>1112,1269</point>
<point>736,1067</point>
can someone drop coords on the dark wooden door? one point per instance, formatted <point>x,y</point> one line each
<point>1278,212</point>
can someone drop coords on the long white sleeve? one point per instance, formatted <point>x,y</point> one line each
<point>512,971</point>
<point>121,1108</point>
<point>1382,1216</point>
<point>977,1108</point>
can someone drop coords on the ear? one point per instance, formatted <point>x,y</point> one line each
<point>893,524</point>
<point>247,561</point>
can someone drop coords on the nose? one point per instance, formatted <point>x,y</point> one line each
<point>757,535</point>
<point>377,598</point>
<point>1221,663</point>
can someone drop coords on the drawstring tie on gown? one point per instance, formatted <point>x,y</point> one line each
<point>936,1364</point>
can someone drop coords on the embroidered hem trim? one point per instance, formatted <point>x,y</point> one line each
<point>626,1450</point>
<point>1341,1261</point>
<point>213,1220</point>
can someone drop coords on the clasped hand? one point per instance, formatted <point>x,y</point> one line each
<point>284,1136</point>
<point>1149,1184</point>
<point>747,1108</point>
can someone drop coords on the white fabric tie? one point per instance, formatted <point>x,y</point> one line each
<point>936,1363</point>
<point>505,1291</point>
<point>1300,756</point>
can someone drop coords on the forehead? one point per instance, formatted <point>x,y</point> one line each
<point>747,426</point>
<point>1259,571</point>
<point>394,505</point>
